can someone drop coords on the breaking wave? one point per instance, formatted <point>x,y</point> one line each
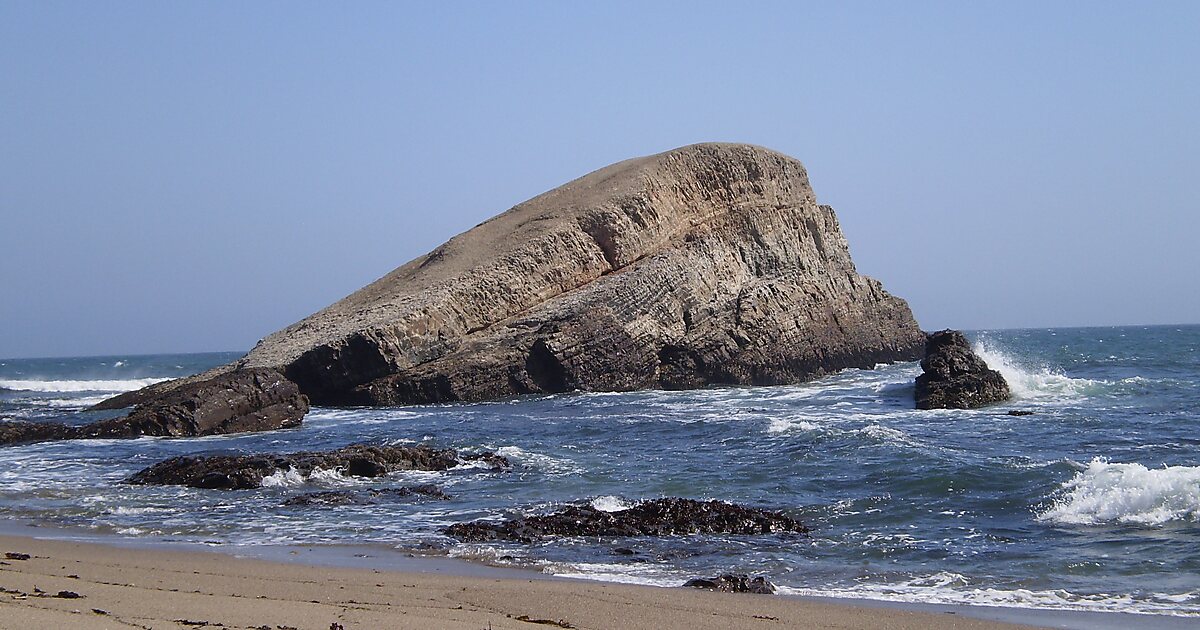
<point>79,386</point>
<point>292,478</point>
<point>1128,494</point>
<point>1034,382</point>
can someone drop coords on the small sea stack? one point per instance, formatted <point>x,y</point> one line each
<point>955,377</point>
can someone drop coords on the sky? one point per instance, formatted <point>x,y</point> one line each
<point>186,177</point>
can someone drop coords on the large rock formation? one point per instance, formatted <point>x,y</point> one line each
<point>232,402</point>
<point>955,377</point>
<point>233,472</point>
<point>657,517</point>
<point>709,264</point>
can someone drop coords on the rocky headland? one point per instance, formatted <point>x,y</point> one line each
<point>955,377</point>
<point>708,264</point>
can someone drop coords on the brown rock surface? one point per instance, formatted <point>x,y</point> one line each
<point>233,402</point>
<point>709,264</point>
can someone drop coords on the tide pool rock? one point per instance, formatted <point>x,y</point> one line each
<point>708,264</point>
<point>955,377</point>
<point>656,517</point>
<point>237,472</point>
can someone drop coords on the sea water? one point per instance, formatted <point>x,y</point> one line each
<point>1091,502</point>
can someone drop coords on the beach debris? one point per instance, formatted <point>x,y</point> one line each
<point>100,611</point>
<point>230,472</point>
<point>734,583</point>
<point>955,377</point>
<point>12,555</point>
<point>545,622</point>
<point>67,595</point>
<point>655,517</point>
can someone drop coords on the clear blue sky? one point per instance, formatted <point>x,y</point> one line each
<point>192,176</point>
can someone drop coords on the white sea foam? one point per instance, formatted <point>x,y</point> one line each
<point>1033,382</point>
<point>79,386</point>
<point>1129,494</point>
<point>610,503</point>
<point>945,587</point>
<point>645,574</point>
<point>292,478</point>
<point>550,465</point>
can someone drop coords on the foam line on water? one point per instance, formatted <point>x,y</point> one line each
<point>79,386</point>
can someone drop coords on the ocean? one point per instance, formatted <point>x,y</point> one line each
<point>1091,502</point>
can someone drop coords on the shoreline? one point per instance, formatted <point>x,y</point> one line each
<point>500,595</point>
<point>66,584</point>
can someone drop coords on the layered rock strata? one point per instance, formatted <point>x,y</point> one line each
<point>955,377</point>
<point>233,472</point>
<point>233,402</point>
<point>709,264</point>
<point>657,517</point>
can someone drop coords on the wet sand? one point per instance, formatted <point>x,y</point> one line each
<point>120,587</point>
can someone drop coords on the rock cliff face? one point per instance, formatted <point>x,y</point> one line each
<point>709,264</point>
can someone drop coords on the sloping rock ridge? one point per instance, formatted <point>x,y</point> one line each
<point>237,472</point>
<point>656,517</point>
<point>233,402</point>
<point>708,264</point>
<point>955,377</point>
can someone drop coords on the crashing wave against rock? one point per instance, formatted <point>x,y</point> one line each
<point>657,517</point>
<point>708,264</point>
<point>955,377</point>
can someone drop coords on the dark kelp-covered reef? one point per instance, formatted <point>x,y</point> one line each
<point>709,264</point>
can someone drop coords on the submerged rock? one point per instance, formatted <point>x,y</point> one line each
<point>231,472</point>
<point>233,402</point>
<point>955,377</point>
<point>734,583</point>
<point>708,264</point>
<point>656,517</point>
<point>369,497</point>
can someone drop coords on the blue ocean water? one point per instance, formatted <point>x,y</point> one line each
<point>1091,502</point>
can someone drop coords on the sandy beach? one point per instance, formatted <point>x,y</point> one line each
<point>80,585</point>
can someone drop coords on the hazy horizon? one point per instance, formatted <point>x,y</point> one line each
<point>181,178</point>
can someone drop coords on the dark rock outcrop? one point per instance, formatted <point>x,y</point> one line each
<point>235,402</point>
<point>731,583</point>
<point>955,377</point>
<point>333,498</point>
<point>231,472</point>
<point>232,402</point>
<point>656,517</point>
<point>22,432</point>
<point>708,264</point>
